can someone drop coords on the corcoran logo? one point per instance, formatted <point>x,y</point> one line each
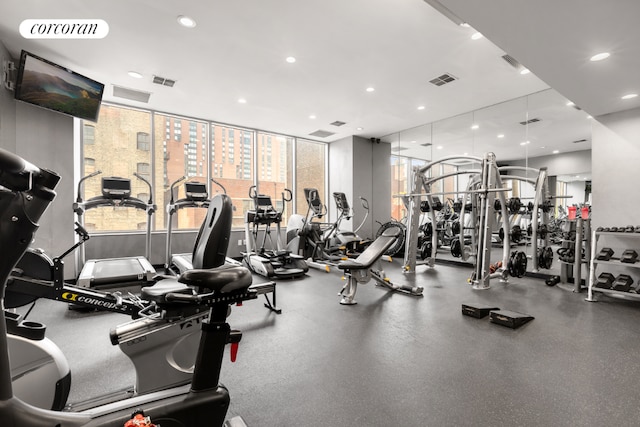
<point>64,29</point>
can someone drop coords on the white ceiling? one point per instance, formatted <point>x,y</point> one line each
<point>238,50</point>
<point>555,40</point>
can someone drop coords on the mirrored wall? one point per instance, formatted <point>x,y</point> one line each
<point>543,129</point>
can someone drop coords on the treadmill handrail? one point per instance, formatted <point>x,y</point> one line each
<point>146,181</point>
<point>100,201</point>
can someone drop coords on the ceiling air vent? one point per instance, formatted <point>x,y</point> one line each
<point>338,123</point>
<point>512,61</point>
<point>322,133</point>
<point>443,79</point>
<point>131,94</point>
<point>163,81</point>
<point>427,144</point>
<point>399,148</point>
<point>528,122</point>
<point>579,141</point>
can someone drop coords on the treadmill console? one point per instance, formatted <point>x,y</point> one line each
<point>196,191</point>
<point>114,187</point>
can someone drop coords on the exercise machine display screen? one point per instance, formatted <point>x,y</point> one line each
<point>196,191</point>
<point>263,201</point>
<point>116,188</point>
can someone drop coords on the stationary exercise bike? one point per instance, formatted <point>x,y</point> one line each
<point>25,193</point>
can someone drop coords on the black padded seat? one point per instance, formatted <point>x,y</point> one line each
<point>375,250</point>
<point>157,292</point>
<point>224,279</point>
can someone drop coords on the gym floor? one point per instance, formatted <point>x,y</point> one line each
<point>399,360</point>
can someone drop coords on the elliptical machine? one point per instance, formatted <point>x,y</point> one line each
<point>349,240</point>
<point>275,261</point>
<point>25,193</point>
<point>322,244</point>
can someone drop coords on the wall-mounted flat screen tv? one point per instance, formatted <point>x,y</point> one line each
<point>45,84</point>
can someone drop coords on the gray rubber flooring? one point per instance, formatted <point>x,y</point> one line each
<point>399,360</point>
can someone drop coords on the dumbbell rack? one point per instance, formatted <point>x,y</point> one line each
<point>597,235</point>
<point>582,228</point>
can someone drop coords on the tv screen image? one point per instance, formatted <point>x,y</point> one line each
<point>45,84</point>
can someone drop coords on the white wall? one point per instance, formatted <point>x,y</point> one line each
<point>360,168</point>
<point>616,169</point>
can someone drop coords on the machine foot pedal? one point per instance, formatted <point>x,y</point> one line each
<point>508,318</point>
<point>477,311</point>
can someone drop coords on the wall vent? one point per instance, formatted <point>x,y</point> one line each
<point>528,122</point>
<point>131,94</point>
<point>322,133</point>
<point>163,81</point>
<point>338,123</point>
<point>443,79</point>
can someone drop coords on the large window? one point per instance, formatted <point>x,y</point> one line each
<point>400,185</point>
<point>273,158</point>
<point>310,171</point>
<point>112,147</point>
<point>232,166</point>
<point>164,148</point>
<point>176,159</point>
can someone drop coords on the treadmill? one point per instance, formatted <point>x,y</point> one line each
<point>120,271</point>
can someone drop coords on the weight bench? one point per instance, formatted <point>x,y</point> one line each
<point>360,270</point>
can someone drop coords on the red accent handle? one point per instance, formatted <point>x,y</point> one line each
<point>234,351</point>
<point>239,304</point>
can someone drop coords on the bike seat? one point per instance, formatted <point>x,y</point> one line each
<point>157,293</point>
<point>224,279</point>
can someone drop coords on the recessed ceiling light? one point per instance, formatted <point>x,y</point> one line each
<point>439,147</point>
<point>525,142</point>
<point>186,21</point>
<point>242,101</point>
<point>290,59</point>
<point>570,104</point>
<point>577,176</point>
<point>475,126</point>
<point>370,89</point>
<point>555,151</point>
<point>599,56</point>
<point>589,117</point>
<point>525,71</point>
<point>413,142</point>
<point>466,154</point>
<point>476,36</point>
<point>312,116</point>
<point>501,135</point>
<point>543,147</point>
<point>359,128</point>
<point>630,95</point>
<point>421,107</point>
<point>465,25</point>
<point>135,74</point>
